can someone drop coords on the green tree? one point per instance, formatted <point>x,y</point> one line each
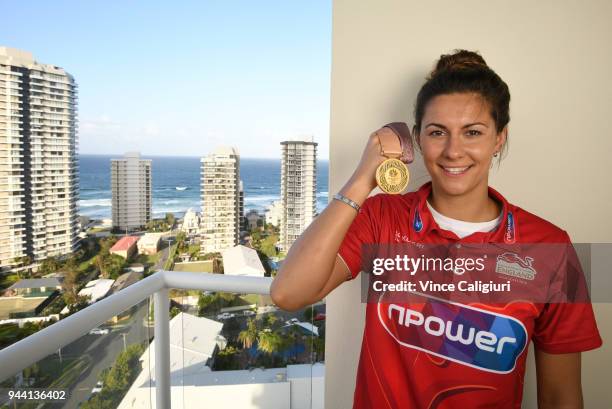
<point>268,245</point>
<point>270,320</point>
<point>181,242</point>
<point>174,311</point>
<point>114,265</point>
<point>204,301</point>
<point>106,243</point>
<point>269,341</point>
<point>170,219</point>
<point>248,336</point>
<point>117,379</point>
<point>227,359</point>
<point>48,266</point>
<point>123,372</point>
<point>69,284</point>
<point>211,256</point>
<point>76,303</point>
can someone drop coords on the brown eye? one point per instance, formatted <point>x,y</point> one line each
<point>473,132</point>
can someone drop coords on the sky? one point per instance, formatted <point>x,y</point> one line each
<point>180,78</point>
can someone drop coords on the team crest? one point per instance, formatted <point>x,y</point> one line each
<point>513,265</point>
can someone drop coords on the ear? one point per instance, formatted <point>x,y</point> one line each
<point>501,138</point>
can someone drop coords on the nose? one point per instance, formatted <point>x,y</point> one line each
<point>454,147</point>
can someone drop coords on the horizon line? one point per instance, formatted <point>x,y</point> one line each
<point>120,155</point>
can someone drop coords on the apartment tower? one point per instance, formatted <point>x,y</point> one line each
<point>220,193</point>
<point>131,191</point>
<point>298,188</point>
<point>38,159</point>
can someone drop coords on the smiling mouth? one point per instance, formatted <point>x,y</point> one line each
<point>455,170</point>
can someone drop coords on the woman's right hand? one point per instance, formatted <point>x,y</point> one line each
<point>365,173</point>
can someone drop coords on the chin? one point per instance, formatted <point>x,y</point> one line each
<point>453,187</point>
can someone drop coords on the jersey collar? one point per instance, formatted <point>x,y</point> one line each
<point>423,223</point>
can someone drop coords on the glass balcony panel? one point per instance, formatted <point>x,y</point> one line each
<point>95,371</point>
<point>242,347</point>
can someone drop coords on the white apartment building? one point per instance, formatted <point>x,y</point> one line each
<point>242,222</point>
<point>38,159</point>
<point>274,213</point>
<point>131,191</point>
<point>298,188</point>
<point>191,223</point>
<point>220,193</point>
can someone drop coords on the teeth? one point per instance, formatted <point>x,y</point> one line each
<point>456,170</point>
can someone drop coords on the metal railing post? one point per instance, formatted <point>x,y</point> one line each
<point>162,349</point>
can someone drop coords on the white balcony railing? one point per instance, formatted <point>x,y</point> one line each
<point>28,351</point>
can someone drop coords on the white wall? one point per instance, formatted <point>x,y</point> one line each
<point>556,58</point>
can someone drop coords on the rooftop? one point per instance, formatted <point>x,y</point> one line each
<point>18,305</point>
<point>242,260</point>
<point>125,280</point>
<point>37,283</point>
<point>124,243</point>
<point>150,239</point>
<point>97,288</point>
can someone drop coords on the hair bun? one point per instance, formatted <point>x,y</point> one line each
<point>459,59</point>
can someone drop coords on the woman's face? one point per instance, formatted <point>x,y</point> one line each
<point>458,139</point>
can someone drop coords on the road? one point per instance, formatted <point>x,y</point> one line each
<point>165,252</point>
<point>103,351</point>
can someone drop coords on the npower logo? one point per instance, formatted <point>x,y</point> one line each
<point>463,334</point>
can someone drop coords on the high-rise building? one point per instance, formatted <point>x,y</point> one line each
<point>131,191</point>
<point>38,159</point>
<point>220,182</point>
<point>242,222</point>
<point>298,188</point>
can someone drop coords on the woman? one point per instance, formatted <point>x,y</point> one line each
<point>461,124</point>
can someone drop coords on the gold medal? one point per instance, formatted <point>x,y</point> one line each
<point>392,175</point>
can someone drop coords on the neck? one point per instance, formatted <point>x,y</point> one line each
<point>473,206</point>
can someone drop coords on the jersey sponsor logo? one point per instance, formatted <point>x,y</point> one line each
<point>510,233</point>
<point>417,223</point>
<point>463,334</point>
<point>513,265</point>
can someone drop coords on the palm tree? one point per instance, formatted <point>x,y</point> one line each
<point>249,335</point>
<point>270,320</point>
<point>269,342</point>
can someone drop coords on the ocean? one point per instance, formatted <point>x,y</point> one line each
<point>261,182</point>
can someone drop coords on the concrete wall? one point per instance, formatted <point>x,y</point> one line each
<point>555,57</point>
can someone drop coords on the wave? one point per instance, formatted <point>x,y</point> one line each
<point>95,203</point>
<point>262,198</point>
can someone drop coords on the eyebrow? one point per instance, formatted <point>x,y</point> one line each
<point>463,127</point>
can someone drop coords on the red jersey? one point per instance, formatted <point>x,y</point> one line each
<point>414,370</point>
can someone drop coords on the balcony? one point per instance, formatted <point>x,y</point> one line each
<point>174,362</point>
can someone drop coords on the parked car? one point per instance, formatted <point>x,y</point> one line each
<point>225,315</point>
<point>319,317</point>
<point>98,387</point>
<point>99,331</point>
<point>248,313</point>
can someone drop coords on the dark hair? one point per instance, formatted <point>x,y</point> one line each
<point>465,71</point>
